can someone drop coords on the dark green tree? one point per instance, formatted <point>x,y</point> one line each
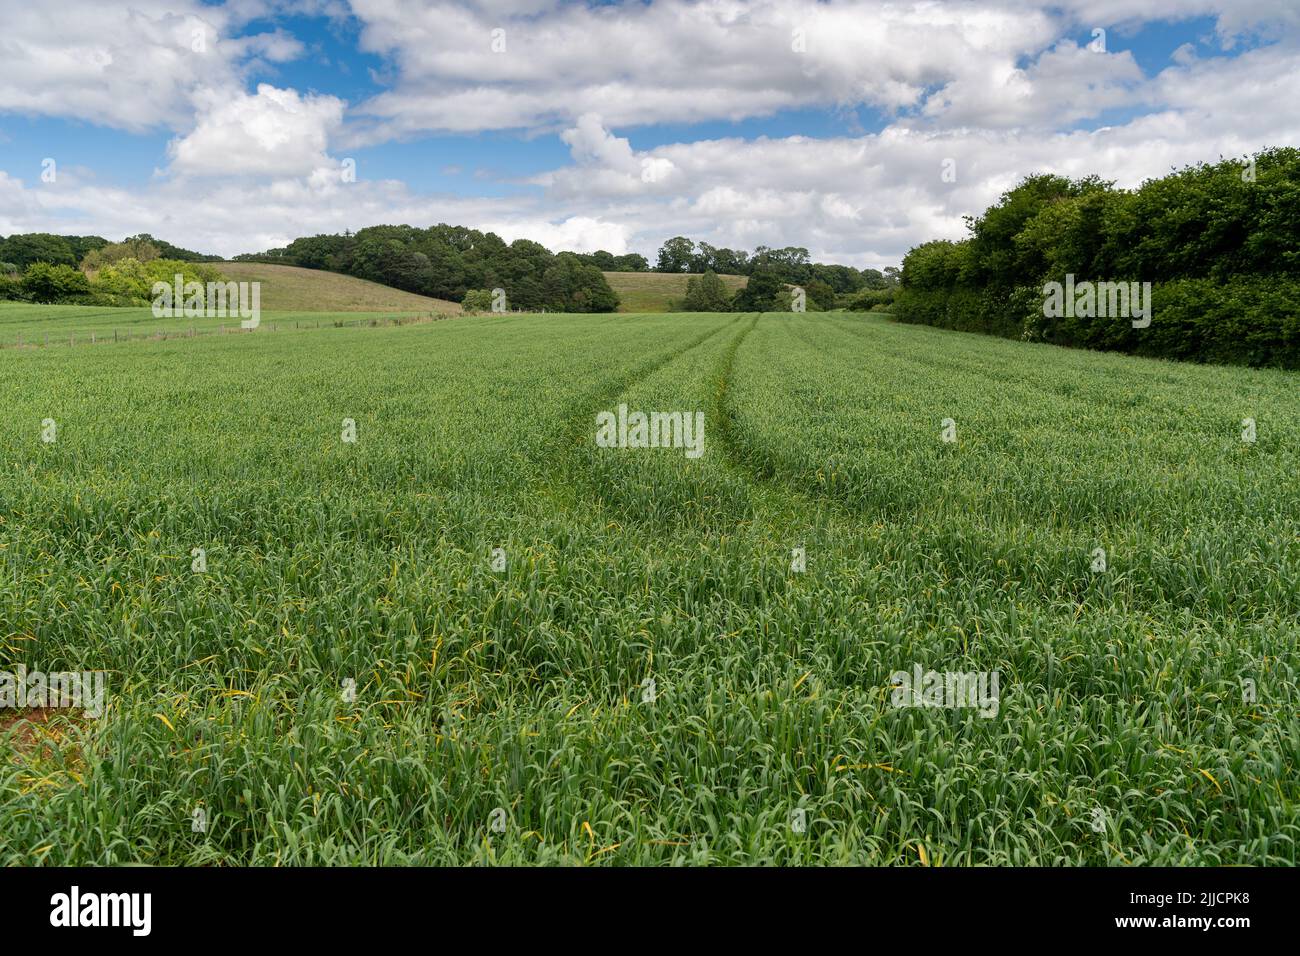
<point>706,293</point>
<point>675,255</point>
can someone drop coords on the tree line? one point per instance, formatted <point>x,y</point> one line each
<point>448,262</point>
<point>775,276</point>
<point>827,283</point>
<point>19,251</point>
<point>1218,242</point>
<point>463,264</point>
<point>90,270</point>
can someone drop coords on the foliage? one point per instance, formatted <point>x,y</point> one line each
<point>141,250</point>
<point>126,282</point>
<point>675,255</point>
<point>791,265</point>
<point>870,300</point>
<point>765,292</point>
<point>819,295</point>
<point>706,293</point>
<point>25,248</point>
<point>43,282</point>
<point>571,285</point>
<point>447,261</point>
<point>134,280</point>
<point>168,251</point>
<point>477,300</point>
<point>608,262</point>
<point>1219,243</point>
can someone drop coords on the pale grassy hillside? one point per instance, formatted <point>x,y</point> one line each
<point>656,291</point>
<point>292,289</point>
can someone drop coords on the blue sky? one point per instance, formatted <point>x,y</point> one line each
<point>614,125</point>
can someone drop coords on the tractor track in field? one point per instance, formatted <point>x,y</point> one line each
<point>775,497</point>
<point>565,473</point>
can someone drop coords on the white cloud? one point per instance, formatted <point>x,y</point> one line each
<point>694,60</point>
<point>591,143</point>
<point>227,216</point>
<point>132,65</point>
<point>867,199</point>
<point>574,234</point>
<point>1065,84</point>
<point>999,87</point>
<point>672,60</point>
<point>272,131</point>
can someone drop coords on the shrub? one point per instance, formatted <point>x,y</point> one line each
<point>706,293</point>
<point>763,293</point>
<point>870,300</point>
<point>477,300</point>
<point>11,288</point>
<point>1220,249</point>
<point>53,283</point>
<point>132,281</point>
<point>141,250</point>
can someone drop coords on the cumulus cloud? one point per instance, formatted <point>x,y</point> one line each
<point>541,65</point>
<point>574,234</point>
<point>133,66</point>
<point>605,164</point>
<point>1065,84</point>
<point>970,97</point>
<point>227,216</point>
<point>867,199</point>
<point>672,60</point>
<point>272,131</point>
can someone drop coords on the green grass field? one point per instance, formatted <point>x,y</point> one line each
<point>657,291</point>
<point>648,680</point>
<point>26,325</point>
<point>290,298</point>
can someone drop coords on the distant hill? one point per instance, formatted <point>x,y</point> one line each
<point>292,289</point>
<point>657,291</point>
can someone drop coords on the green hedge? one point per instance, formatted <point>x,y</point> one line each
<point>1219,245</point>
<point>1247,320</point>
<point>988,311</point>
